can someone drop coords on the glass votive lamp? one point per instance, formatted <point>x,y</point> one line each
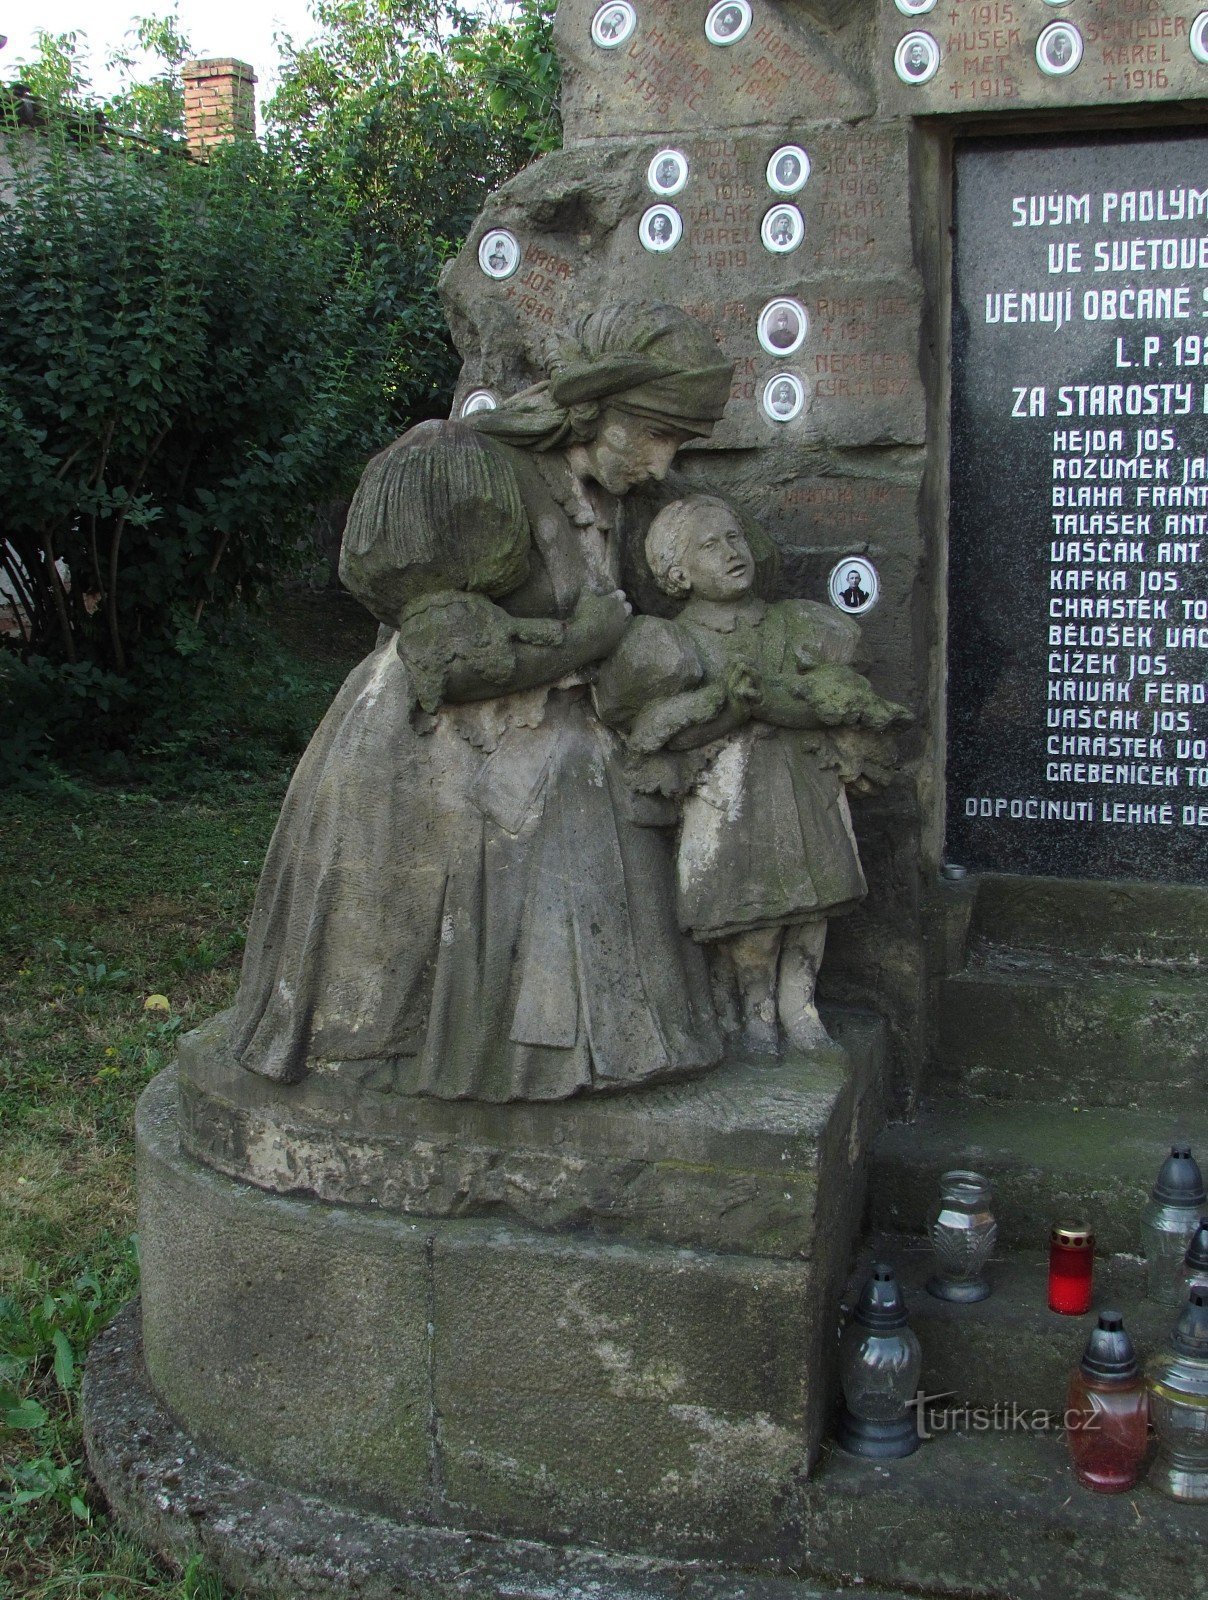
<point>1178,1404</point>
<point>879,1365</point>
<point>1107,1410</point>
<point>1071,1268</point>
<point>1195,1262</point>
<point>963,1231</point>
<point>1168,1222</point>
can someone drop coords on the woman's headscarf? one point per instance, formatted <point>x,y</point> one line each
<point>440,510</point>
<point>652,361</point>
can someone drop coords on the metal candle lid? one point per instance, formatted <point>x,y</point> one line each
<point>881,1306</point>
<point>1109,1351</point>
<point>1190,1336</point>
<point>1180,1181</point>
<point>1073,1235</point>
<point>1197,1250</point>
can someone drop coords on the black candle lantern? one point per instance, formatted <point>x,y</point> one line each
<point>879,1365</point>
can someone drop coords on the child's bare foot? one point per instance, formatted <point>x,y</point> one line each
<point>800,959</point>
<point>806,1032</point>
<point>760,1034</point>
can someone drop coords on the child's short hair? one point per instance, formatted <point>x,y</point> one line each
<point>665,539</point>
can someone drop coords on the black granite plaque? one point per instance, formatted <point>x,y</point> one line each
<point>1078,586</point>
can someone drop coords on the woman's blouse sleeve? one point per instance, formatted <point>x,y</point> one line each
<point>439,509</point>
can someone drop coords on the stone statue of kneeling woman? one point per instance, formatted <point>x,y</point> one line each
<point>463,897</point>
<point>766,694</point>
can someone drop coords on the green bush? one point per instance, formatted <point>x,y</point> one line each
<point>190,356</point>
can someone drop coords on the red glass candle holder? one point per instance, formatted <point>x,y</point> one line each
<point>1107,1410</point>
<point>1071,1268</point>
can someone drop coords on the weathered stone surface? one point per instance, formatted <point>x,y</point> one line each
<point>576,218</point>
<point>668,77</point>
<point>1073,1031</point>
<point>1010,1349</point>
<point>1131,54</point>
<point>269,1543</point>
<point>997,1515</point>
<point>608,1395</point>
<point>479,1373</point>
<point>1149,922</point>
<point>821,507</point>
<point>265,1323</point>
<point>760,1157</point>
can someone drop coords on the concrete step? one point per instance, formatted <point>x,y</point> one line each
<point>1048,1163</point>
<point>996,1515</point>
<point>1009,1350</point>
<point>1030,1026</point>
<point>1132,921</point>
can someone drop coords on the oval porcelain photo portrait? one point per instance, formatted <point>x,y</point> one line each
<point>728,22</point>
<point>661,229</point>
<point>783,229</point>
<point>917,58</point>
<point>478,400</point>
<point>613,24</point>
<point>499,253</point>
<point>914,8</point>
<point>788,169</point>
<point>1059,49</point>
<point>668,172</point>
<point>853,586</point>
<point>1198,37</point>
<point>784,397</point>
<point>783,325</point>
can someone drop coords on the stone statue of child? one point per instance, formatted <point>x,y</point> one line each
<point>766,693</point>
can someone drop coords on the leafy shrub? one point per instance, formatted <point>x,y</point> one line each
<point>413,111</point>
<point>189,357</point>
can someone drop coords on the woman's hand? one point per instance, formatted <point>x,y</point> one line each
<point>598,622</point>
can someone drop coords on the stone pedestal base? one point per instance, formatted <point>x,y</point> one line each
<point>181,1499</point>
<point>612,1384</point>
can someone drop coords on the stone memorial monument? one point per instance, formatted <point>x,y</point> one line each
<point>423,1168</point>
<point>749,812</point>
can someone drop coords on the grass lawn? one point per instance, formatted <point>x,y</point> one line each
<point>122,911</point>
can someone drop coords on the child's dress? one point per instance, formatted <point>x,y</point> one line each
<point>766,837</point>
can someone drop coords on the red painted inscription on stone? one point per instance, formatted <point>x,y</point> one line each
<point>664,75</point>
<point>847,197</point>
<point>838,505</point>
<point>780,66</point>
<point>981,38</point>
<point>536,290</point>
<point>1135,52</point>
<point>849,360</point>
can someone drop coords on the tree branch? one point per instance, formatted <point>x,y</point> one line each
<point>219,552</point>
<point>60,599</point>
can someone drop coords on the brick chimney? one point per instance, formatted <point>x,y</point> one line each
<point>220,102</point>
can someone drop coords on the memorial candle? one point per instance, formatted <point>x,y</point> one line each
<point>1071,1268</point>
<point>1107,1410</point>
